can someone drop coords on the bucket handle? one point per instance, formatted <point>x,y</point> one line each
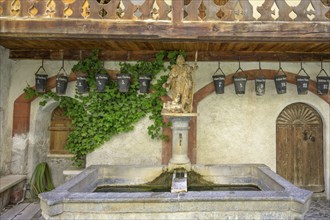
<point>62,68</point>
<point>239,68</point>
<point>41,68</point>
<point>259,71</point>
<point>322,70</point>
<point>219,69</point>
<point>302,69</point>
<point>280,69</point>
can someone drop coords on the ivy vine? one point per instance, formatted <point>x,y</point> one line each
<point>97,117</point>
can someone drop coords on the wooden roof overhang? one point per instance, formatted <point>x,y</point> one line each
<point>49,33</point>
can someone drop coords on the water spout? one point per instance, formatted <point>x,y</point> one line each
<point>179,181</point>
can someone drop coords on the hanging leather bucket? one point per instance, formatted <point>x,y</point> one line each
<point>101,81</point>
<point>322,85</point>
<point>145,81</point>
<point>260,82</point>
<point>123,82</point>
<point>61,84</point>
<point>260,85</point>
<point>302,81</point>
<point>41,79</point>
<point>302,84</point>
<point>240,79</point>
<point>62,80</point>
<point>280,81</point>
<point>82,84</point>
<point>322,82</point>
<point>280,84</point>
<point>219,80</point>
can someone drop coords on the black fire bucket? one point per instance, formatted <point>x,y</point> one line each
<point>82,84</point>
<point>260,85</point>
<point>101,81</point>
<point>280,84</point>
<point>62,80</point>
<point>41,79</point>
<point>61,84</point>
<point>280,81</point>
<point>240,84</point>
<point>145,83</point>
<point>219,83</point>
<point>322,85</point>
<point>322,82</point>
<point>41,83</point>
<point>302,81</point>
<point>302,84</point>
<point>219,80</point>
<point>240,79</point>
<point>123,82</point>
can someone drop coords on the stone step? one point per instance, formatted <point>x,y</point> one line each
<point>23,211</point>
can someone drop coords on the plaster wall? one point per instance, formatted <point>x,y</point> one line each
<point>5,79</point>
<point>242,128</point>
<point>231,128</point>
<point>132,148</point>
<point>30,149</point>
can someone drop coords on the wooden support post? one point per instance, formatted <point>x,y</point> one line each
<point>178,8</point>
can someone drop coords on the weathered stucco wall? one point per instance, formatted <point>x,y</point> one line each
<point>230,128</point>
<point>241,128</point>
<point>5,78</point>
<point>30,149</point>
<point>234,125</point>
<point>132,148</point>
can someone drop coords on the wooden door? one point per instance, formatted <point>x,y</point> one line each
<point>59,131</point>
<point>299,147</point>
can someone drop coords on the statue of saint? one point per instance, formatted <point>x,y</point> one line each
<point>180,86</point>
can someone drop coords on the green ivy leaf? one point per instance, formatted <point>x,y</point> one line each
<point>96,117</point>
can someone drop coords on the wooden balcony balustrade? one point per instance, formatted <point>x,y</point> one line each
<point>176,11</point>
<point>149,25</point>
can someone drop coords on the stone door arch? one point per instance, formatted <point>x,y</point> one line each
<point>299,146</point>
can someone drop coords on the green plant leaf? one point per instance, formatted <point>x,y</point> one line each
<point>41,179</point>
<point>97,117</point>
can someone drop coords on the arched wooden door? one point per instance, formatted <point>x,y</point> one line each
<point>59,131</point>
<point>299,147</point>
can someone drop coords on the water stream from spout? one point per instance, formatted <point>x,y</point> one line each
<point>179,181</point>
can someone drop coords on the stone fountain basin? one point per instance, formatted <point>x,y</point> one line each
<point>278,199</point>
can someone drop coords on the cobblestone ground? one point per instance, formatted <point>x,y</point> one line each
<point>319,209</point>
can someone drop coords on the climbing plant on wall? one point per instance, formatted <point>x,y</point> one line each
<point>96,117</point>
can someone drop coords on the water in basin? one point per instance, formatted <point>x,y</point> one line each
<point>241,191</point>
<point>195,182</point>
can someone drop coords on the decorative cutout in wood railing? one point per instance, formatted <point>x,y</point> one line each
<point>194,10</point>
<point>15,8</point>
<point>1,8</point>
<point>269,10</point>
<point>50,8</point>
<point>86,9</point>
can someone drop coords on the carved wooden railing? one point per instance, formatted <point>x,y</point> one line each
<point>176,11</point>
<point>51,25</point>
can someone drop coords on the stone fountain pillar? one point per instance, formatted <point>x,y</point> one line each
<point>180,128</point>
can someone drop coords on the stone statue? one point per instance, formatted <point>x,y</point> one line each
<point>180,86</point>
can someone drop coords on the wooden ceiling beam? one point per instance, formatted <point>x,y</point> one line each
<point>141,30</point>
<point>109,55</point>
